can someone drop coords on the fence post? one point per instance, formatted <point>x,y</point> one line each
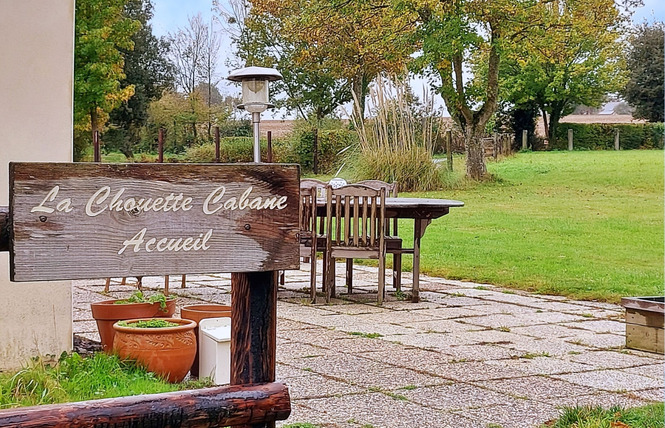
<point>160,145</point>
<point>570,139</point>
<point>95,143</point>
<point>316,151</point>
<point>616,139</point>
<point>217,152</point>
<point>525,139</point>
<point>449,149</point>
<point>269,156</point>
<point>495,148</point>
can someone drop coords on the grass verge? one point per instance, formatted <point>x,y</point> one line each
<point>75,378</point>
<point>650,416</point>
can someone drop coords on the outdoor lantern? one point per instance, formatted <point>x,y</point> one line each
<point>255,95</point>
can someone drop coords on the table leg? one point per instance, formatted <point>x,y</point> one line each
<point>418,231</point>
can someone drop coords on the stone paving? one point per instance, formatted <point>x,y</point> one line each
<point>468,355</point>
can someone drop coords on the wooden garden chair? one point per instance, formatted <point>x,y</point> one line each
<point>355,228</point>
<point>393,241</point>
<point>311,238</point>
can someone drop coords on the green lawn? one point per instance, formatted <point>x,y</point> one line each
<point>581,224</point>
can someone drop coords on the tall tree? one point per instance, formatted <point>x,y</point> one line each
<point>646,56</point>
<point>353,40</point>
<point>573,58</point>
<point>101,31</point>
<point>312,90</point>
<point>452,34</point>
<point>188,52</point>
<point>148,70</point>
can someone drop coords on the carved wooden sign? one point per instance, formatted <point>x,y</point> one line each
<point>80,221</point>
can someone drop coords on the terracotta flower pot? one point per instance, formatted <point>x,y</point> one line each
<point>197,313</point>
<point>166,351</point>
<point>106,313</point>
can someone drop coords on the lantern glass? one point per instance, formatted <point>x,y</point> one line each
<point>255,95</point>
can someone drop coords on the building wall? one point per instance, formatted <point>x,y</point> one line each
<point>36,88</point>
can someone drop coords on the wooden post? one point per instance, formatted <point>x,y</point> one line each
<point>211,407</point>
<point>269,157</point>
<point>570,139</point>
<point>495,149</point>
<point>253,343</point>
<point>525,139</point>
<point>217,153</point>
<point>449,149</point>
<point>315,167</point>
<point>616,139</point>
<point>97,157</point>
<point>160,145</point>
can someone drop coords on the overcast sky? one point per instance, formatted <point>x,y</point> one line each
<point>169,15</point>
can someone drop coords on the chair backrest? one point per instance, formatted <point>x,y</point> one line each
<point>307,212</point>
<point>313,183</point>
<point>355,217</point>
<point>391,191</point>
<point>391,188</point>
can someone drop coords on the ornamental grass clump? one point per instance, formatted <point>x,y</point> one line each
<point>397,143</point>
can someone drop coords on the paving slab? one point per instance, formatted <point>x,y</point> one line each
<point>380,410</point>
<point>612,380</point>
<point>534,387</point>
<point>613,360</point>
<point>512,414</point>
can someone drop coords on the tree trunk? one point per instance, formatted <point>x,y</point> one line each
<point>546,125</point>
<point>555,116</point>
<point>475,153</point>
<point>93,121</point>
<point>359,98</point>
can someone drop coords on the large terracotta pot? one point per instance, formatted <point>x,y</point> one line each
<point>197,313</point>
<point>106,313</point>
<point>167,351</point>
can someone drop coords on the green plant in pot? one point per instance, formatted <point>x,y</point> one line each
<point>138,305</point>
<point>164,347</point>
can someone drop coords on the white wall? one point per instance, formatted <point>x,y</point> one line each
<point>36,87</point>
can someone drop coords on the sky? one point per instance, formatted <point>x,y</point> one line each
<point>169,15</point>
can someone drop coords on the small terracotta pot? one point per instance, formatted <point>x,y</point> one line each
<point>106,313</point>
<point>197,313</point>
<point>167,351</point>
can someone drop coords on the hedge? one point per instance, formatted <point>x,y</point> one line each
<point>600,136</point>
<point>330,143</point>
<point>234,150</point>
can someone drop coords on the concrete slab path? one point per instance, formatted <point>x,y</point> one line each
<point>468,355</point>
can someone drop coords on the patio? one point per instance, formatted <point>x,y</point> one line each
<point>467,355</point>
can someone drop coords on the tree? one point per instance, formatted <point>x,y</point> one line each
<point>644,89</point>
<point>573,58</point>
<point>352,40</point>
<point>187,47</point>
<point>101,31</point>
<point>148,70</point>
<point>452,34</point>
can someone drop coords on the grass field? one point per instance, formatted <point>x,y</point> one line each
<point>581,224</point>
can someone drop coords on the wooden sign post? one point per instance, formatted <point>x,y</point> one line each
<point>82,221</point>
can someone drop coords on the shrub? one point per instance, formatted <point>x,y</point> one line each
<point>397,145</point>
<point>235,150</point>
<point>600,136</point>
<point>330,147</point>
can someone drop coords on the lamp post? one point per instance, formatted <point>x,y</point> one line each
<point>255,96</point>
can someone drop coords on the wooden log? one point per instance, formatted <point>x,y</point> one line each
<point>210,407</point>
<point>4,228</point>
<point>254,327</point>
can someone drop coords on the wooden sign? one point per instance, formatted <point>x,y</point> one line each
<point>81,221</point>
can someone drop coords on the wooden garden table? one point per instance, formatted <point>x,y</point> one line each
<point>422,211</point>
